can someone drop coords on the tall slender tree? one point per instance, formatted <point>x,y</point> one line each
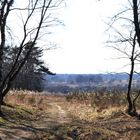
<point>127,41</point>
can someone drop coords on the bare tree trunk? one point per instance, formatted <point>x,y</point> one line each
<point>130,103</point>
<point>134,104</point>
<point>132,109</point>
<point>136,20</point>
<point>1,103</point>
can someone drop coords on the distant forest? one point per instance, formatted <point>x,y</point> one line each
<point>65,83</point>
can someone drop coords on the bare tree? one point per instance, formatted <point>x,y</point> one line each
<point>127,41</point>
<point>35,16</point>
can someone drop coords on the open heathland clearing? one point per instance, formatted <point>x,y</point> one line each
<point>34,116</point>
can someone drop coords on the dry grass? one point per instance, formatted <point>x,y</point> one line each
<point>88,113</point>
<point>26,98</point>
<point>84,106</point>
<point>75,117</point>
<point>91,106</point>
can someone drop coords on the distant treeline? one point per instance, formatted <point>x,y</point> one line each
<point>75,78</point>
<point>65,83</point>
<point>87,78</point>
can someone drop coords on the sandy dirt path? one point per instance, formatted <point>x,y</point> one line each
<point>43,122</point>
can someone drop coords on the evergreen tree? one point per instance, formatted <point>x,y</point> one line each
<point>31,75</point>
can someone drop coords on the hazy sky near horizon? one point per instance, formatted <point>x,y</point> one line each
<point>81,47</point>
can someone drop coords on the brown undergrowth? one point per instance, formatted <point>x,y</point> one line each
<point>39,116</point>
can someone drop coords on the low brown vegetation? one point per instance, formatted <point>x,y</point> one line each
<point>78,116</point>
<point>96,105</point>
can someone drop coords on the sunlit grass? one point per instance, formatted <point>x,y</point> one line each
<point>91,106</point>
<point>89,115</point>
<point>84,106</point>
